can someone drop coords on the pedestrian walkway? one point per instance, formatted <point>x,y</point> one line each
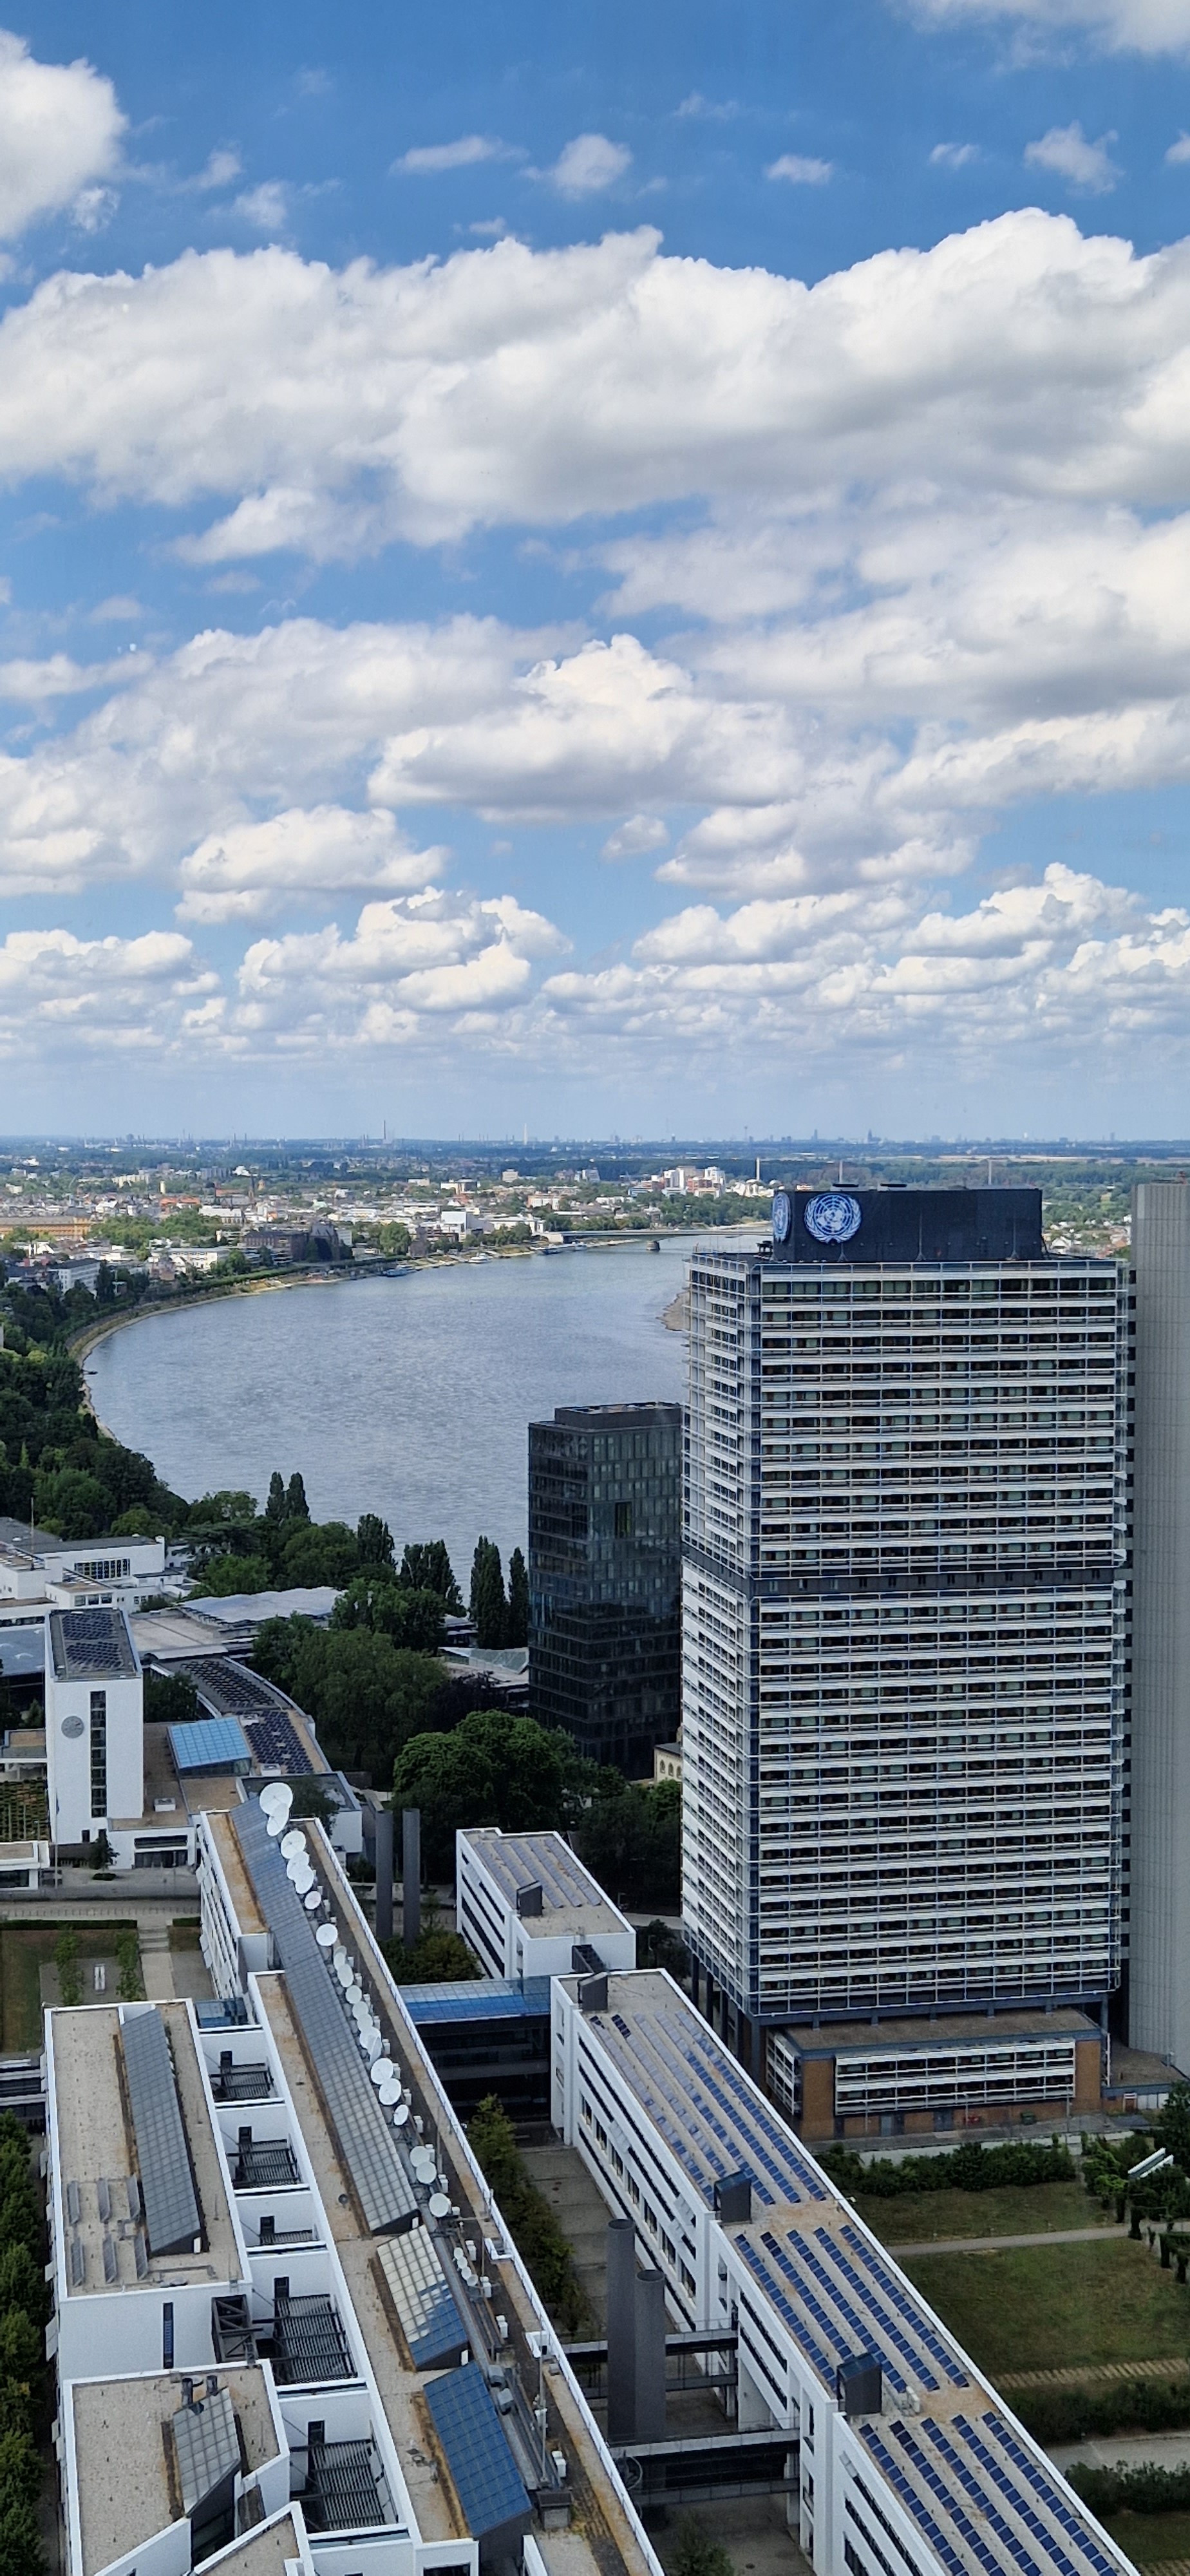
<point>994,2244</point>
<point>1095,2373</point>
<point>156,1962</point>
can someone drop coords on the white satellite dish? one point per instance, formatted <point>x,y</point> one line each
<point>294,1844</point>
<point>276,1799</point>
<point>379,2073</point>
<point>388,2099</point>
<point>439,2205</point>
<point>311,1900</point>
<point>303,1877</point>
<point>425,2164</point>
<point>400,2115</point>
<point>340,1954</point>
<point>372,2045</point>
<point>275,1825</point>
<point>342,1967</point>
<point>326,1936</point>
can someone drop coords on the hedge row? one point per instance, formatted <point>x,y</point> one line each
<point>1116,2406</point>
<point>527,2212</point>
<point>22,2353</point>
<point>1142,2490</point>
<point>971,2167</point>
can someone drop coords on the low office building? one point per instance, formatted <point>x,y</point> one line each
<point>838,2079</point>
<point>525,1905</point>
<point>605,1577</point>
<point>907,2461</point>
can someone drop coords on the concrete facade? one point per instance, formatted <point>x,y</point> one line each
<point>1159,1977</point>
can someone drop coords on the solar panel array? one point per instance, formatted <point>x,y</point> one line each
<point>366,2140</point>
<point>706,2112</point>
<point>228,1689</point>
<point>486,2478</point>
<point>982,2503</point>
<point>276,1743</point>
<point>91,1645</point>
<point>167,2188</point>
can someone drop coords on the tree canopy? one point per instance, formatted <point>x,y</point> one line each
<point>493,1768</point>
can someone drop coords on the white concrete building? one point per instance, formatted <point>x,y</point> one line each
<point>525,1904</point>
<point>906,2462</point>
<point>94,1716</point>
<point>905,1614</point>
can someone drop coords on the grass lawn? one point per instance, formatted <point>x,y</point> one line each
<point>916,2215</point>
<point>24,1951</point>
<point>1051,2307</point>
<point>1151,2538</point>
<point>184,1934</point>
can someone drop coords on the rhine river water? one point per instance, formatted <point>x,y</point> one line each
<point>408,1397</point>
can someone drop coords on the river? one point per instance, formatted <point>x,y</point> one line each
<point>408,1397</point>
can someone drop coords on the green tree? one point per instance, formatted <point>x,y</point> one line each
<point>426,1567</point>
<point>438,1957</point>
<point>695,2553</point>
<point>375,1600</point>
<point>72,1503</point>
<point>317,1553</point>
<point>170,1698</point>
<point>22,2282</point>
<point>274,1509</point>
<point>1172,2125</point>
<point>128,1962</point>
<point>527,2213</point>
<point>21,2550</point>
<point>223,1576</point>
<point>21,2348</point>
<point>489,1608</point>
<point>20,2469</point>
<point>66,1961</point>
<point>630,1838</point>
<point>517,1626</point>
<point>296,1506</point>
<point>374,1540</point>
<point>366,1694</point>
<point>230,1505</point>
<point>102,1852</point>
<point>492,1769</point>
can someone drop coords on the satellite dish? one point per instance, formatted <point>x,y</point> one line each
<point>424,2164</point>
<point>379,2073</point>
<point>325,1936</point>
<point>294,1844</point>
<point>276,1799</point>
<point>388,2097</point>
<point>303,1877</point>
<point>439,2205</point>
<point>340,1955</point>
<point>274,1825</point>
<point>400,2115</point>
<point>312,1901</point>
<point>342,1966</point>
<point>372,2045</point>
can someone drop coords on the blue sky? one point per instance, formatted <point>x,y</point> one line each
<point>605,569</point>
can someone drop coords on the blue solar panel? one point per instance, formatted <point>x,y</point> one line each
<point>481,2464</point>
<point>913,2309</point>
<point>1052,2492</point>
<point>805,2342</point>
<point>209,1744</point>
<point>277,1744</point>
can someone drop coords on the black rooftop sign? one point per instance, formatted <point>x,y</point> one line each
<point>907,1225</point>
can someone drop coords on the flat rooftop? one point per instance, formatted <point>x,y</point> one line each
<point>97,2156</point>
<point>946,2030</point>
<point>127,2484</point>
<point>572,1901</point>
<point>91,1646</point>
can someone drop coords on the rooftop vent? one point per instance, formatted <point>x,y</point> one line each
<point>733,2199</point>
<point>530,1899</point>
<point>859,2385</point>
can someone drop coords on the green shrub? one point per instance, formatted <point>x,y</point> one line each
<point>1116,2406</point>
<point>528,2215</point>
<point>696,2554</point>
<point>1146,2489</point>
<point>971,2167</point>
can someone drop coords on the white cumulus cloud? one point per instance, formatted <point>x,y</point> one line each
<point>800,170</point>
<point>60,129</point>
<point>1065,149</point>
<point>427,159</point>
<point>589,164</point>
<point>1117,26</point>
<point>256,868</point>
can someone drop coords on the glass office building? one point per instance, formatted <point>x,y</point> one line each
<point>605,1525</point>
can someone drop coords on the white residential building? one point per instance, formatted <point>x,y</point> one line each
<point>525,1904</point>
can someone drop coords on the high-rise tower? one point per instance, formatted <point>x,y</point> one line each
<point>903,1651</point>
<point>605,1524</point>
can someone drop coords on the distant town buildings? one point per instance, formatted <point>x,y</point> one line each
<point>605,1486</point>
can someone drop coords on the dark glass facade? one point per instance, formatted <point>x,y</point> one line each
<point>605,1573</point>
